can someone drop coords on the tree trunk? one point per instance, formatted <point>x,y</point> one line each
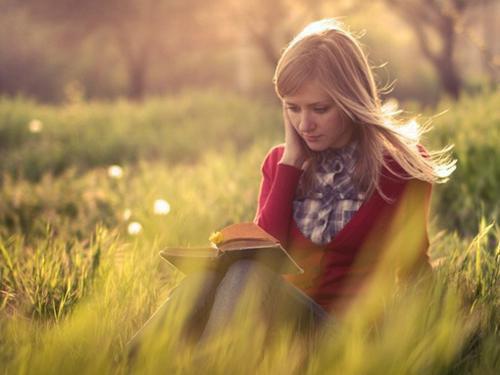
<point>433,19</point>
<point>135,55</point>
<point>446,64</point>
<point>449,78</point>
<point>136,79</point>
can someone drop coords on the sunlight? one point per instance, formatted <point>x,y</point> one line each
<point>35,126</point>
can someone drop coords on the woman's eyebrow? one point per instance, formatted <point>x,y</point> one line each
<point>322,102</point>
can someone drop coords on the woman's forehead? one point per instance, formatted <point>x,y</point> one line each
<point>310,92</point>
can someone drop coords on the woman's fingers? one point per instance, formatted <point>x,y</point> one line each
<point>290,131</point>
<point>296,150</point>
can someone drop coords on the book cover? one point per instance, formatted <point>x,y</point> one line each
<point>237,241</point>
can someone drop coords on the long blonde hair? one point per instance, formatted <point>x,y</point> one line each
<point>327,52</point>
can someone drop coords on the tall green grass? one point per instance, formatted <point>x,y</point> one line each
<point>75,285</point>
<point>111,282</point>
<point>82,136</point>
<point>473,126</point>
<point>86,135</point>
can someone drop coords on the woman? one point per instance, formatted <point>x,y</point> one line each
<point>347,193</point>
<point>350,185</point>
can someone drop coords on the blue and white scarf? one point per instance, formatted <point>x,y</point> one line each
<point>334,200</point>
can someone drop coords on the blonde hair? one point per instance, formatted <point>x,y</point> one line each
<point>328,53</point>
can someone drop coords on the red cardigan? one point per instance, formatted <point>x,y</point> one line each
<point>335,272</point>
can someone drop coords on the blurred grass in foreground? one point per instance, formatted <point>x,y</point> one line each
<point>111,282</point>
<point>75,285</point>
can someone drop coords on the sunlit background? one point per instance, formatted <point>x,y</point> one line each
<point>130,125</point>
<point>53,49</point>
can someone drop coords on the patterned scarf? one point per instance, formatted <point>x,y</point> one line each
<point>334,199</point>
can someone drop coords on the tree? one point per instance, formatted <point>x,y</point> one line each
<point>439,19</point>
<point>139,28</point>
<point>269,25</point>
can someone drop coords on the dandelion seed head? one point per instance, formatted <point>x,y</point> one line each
<point>134,228</point>
<point>115,171</point>
<point>161,207</point>
<point>35,126</point>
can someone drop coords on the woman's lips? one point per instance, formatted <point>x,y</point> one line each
<point>311,138</point>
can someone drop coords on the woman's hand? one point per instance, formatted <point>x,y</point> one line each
<point>296,150</point>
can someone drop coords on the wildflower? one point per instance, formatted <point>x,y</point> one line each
<point>115,171</point>
<point>35,126</point>
<point>161,207</point>
<point>127,213</point>
<point>134,228</point>
<point>216,238</point>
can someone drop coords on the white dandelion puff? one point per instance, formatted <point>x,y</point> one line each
<point>134,228</point>
<point>115,171</point>
<point>161,207</point>
<point>35,126</point>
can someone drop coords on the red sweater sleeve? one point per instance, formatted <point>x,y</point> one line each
<point>277,190</point>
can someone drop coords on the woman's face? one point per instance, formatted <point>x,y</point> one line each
<point>318,121</point>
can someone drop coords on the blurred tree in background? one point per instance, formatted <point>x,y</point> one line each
<point>136,48</point>
<point>443,19</point>
<point>138,28</point>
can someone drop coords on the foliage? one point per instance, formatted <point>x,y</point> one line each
<point>137,48</point>
<point>86,135</point>
<point>181,129</point>
<point>75,284</point>
<point>473,127</point>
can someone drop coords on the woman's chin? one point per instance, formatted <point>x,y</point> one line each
<point>317,146</point>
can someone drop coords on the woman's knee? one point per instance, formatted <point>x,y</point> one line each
<point>195,289</point>
<point>197,280</point>
<point>246,277</point>
<point>246,269</point>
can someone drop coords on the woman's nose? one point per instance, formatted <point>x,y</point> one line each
<point>307,123</point>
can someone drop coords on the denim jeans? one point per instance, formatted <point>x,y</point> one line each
<point>213,297</point>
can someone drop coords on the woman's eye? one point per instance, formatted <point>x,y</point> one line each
<point>293,109</point>
<point>320,109</point>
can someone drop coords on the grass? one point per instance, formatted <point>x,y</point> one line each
<point>75,285</point>
<point>473,126</point>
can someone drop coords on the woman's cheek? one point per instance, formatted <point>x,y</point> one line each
<point>294,119</point>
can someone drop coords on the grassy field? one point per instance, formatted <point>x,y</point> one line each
<point>91,191</point>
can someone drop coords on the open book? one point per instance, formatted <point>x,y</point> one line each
<point>236,241</point>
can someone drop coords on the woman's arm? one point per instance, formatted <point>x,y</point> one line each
<point>277,190</point>
<point>413,220</point>
<point>281,172</point>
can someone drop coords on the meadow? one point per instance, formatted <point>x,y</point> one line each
<point>91,191</point>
